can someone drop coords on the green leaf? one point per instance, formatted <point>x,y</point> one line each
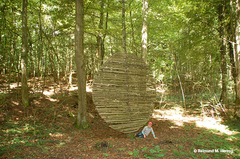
<point>130,152</point>
<point>153,151</point>
<point>106,154</point>
<point>135,153</point>
<point>144,149</point>
<point>160,155</point>
<point>121,149</point>
<point>157,148</point>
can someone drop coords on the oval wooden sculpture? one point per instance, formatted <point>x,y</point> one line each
<point>124,92</point>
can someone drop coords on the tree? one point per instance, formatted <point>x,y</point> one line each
<point>123,28</point>
<point>144,30</point>
<point>223,96</point>
<point>79,58</point>
<point>25,99</point>
<point>100,43</point>
<point>237,51</point>
<point>231,41</point>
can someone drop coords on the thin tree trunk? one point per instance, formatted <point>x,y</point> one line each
<point>45,71</point>
<point>25,98</point>
<point>133,38</point>
<point>231,41</point>
<point>237,53</point>
<point>223,97</point>
<point>42,59</point>
<point>12,53</point>
<point>104,36</point>
<point>70,70</point>
<point>123,28</point>
<point>101,32</point>
<point>18,75</point>
<point>144,30</point>
<point>92,59</point>
<point>1,23</point>
<point>79,55</point>
<point>179,79</point>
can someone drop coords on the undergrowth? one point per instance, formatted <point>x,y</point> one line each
<point>15,136</point>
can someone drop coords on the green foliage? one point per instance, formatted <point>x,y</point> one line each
<point>121,149</point>
<point>134,153</point>
<point>153,153</point>
<point>180,147</point>
<point>208,140</point>
<point>144,149</point>
<point>106,154</point>
<point>130,152</point>
<point>16,135</point>
<point>80,126</point>
<point>131,136</point>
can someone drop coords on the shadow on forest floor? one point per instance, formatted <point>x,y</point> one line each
<point>45,130</point>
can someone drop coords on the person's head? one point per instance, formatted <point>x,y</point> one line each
<point>150,124</point>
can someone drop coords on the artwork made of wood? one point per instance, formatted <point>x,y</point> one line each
<point>124,92</point>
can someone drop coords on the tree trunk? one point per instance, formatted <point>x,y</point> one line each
<point>40,48</point>
<point>179,79</point>
<point>123,28</point>
<point>70,70</point>
<point>25,99</point>
<point>231,41</point>
<point>223,96</point>
<point>104,36</point>
<point>99,37</point>
<point>133,39</point>
<point>237,53</point>
<point>79,55</point>
<point>144,30</point>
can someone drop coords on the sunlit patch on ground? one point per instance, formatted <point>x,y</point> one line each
<point>56,135</point>
<point>14,85</point>
<point>75,88</point>
<point>177,117</point>
<point>49,92</point>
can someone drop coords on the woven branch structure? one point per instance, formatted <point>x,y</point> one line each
<point>124,92</point>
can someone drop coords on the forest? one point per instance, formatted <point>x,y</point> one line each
<point>51,54</point>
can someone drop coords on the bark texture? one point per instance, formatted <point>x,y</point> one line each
<point>79,57</point>
<point>123,28</point>
<point>25,98</point>
<point>237,50</point>
<point>144,31</point>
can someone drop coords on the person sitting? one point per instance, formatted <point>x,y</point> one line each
<point>146,130</point>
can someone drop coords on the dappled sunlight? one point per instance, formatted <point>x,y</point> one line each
<point>14,85</point>
<point>15,103</point>
<point>160,90</point>
<point>211,123</point>
<point>176,116</point>
<point>89,88</point>
<point>49,92</point>
<point>75,88</point>
<point>53,100</point>
<point>56,135</point>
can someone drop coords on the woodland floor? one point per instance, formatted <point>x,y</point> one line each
<point>45,130</point>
